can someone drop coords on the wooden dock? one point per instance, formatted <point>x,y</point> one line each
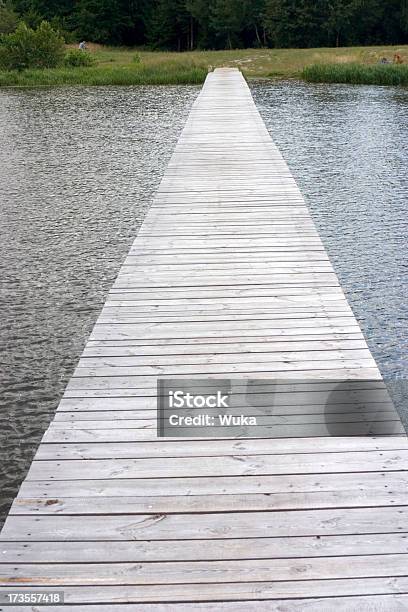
<point>228,278</point>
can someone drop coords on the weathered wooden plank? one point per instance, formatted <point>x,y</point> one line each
<point>223,259</point>
<point>225,293</point>
<point>146,389</point>
<point>182,447</point>
<point>205,228</point>
<point>268,591</point>
<point>283,403</point>
<point>197,572</point>
<point>175,310</point>
<point>172,504</point>
<point>330,371</point>
<point>215,466</point>
<point>66,435</point>
<point>374,603</point>
<point>344,412</point>
<point>121,363</point>
<point>211,526</point>
<point>121,318</point>
<point>221,293</point>
<point>230,366</point>
<point>187,448</point>
<point>223,485</point>
<point>269,341</point>
<point>298,279</point>
<point>269,422</point>
<point>195,550</point>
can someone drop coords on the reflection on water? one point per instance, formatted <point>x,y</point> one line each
<point>347,147</point>
<point>78,168</point>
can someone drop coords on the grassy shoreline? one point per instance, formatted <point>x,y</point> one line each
<point>117,66</point>
<point>165,74</point>
<point>357,74</point>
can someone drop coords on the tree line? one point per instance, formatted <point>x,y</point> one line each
<point>218,24</point>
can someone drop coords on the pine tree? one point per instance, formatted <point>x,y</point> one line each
<point>8,18</point>
<point>228,20</point>
<point>48,9</point>
<point>200,30</point>
<point>404,16</point>
<point>296,23</point>
<point>168,25</point>
<point>103,21</point>
<point>339,17</point>
<point>254,21</point>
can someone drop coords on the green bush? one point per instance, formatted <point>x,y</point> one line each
<point>136,59</point>
<point>76,57</point>
<point>28,48</point>
<point>8,20</point>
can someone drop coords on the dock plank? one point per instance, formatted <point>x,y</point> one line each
<point>379,603</point>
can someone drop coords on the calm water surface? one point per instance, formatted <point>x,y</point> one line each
<point>78,168</point>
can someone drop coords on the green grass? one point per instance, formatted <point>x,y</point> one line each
<point>165,73</point>
<point>380,74</point>
<point>255,63</point>
<point>117,66</point>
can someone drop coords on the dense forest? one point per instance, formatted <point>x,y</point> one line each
<point>217,24</point>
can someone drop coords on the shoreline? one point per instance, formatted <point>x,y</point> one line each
<point>130,67</point>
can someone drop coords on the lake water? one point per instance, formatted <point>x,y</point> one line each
<point>78,169</point>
